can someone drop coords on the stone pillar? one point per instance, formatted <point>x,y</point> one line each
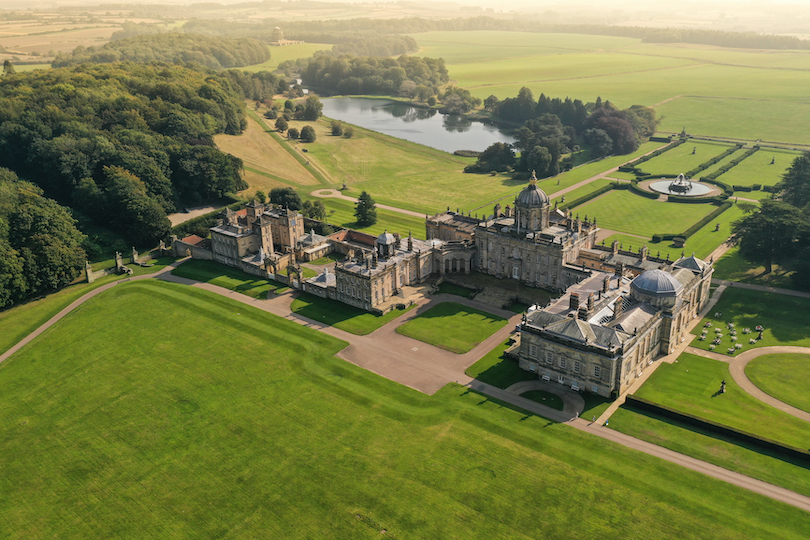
<point>573,301</point>
<point>606,284</point>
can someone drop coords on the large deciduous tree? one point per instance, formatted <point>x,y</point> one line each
<point>770,234</point>
<point>286,197</point>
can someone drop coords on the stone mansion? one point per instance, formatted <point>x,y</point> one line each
<point>617,310</point>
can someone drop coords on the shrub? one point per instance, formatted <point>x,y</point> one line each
<point>348,131</point>
<point>337,128</point>
<point>292,133</point>
<point>308,134</point>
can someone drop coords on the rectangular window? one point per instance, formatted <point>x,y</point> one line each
<point>597,372</point>
<point>533,351</point>
<point>577,367</point>
<point>549,358</point>
<point>562,362</point>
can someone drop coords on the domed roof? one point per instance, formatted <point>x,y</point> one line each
<point>656,283</point>
<point>531,196</point>
<point>386,238</point>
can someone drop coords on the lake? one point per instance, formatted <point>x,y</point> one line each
<point>448,132</point>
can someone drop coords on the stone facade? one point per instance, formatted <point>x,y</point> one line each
<point>607,329</point>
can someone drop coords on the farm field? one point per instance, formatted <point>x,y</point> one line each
<point>158,434</point>
<point>783,376</point>
<point>711,91</point>
<point>624,211</point>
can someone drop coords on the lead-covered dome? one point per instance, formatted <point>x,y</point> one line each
<point>386,238</point>
<point>531,196</point>
<point>658,287</point>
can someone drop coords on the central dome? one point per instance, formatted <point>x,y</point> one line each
<point>531,196</point>
<point>656,283</point>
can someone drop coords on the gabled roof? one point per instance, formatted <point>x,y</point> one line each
<point>690,263</point>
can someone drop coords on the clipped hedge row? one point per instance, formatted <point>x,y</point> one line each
<point>697,200</point>
<point>656,238</point>
<point>727,189</point>
<point>660,139</point>
<point>770,189</point>
<point>706,219</point>
<point>727,167</point>
<point>638,191</point>
<point>641,404</point>
<point>742,188</point>
<point>593,194</point>
<point>716,159</point>
<point>651,155</point>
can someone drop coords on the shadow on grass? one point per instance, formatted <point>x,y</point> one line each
<point>750,446</point>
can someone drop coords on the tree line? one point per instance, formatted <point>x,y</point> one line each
<point>552,127</point>
<point>125,144</point>
<point>210,51</point>
<point>40,246</point>
<point>370,75</point>
<point>331,30</point>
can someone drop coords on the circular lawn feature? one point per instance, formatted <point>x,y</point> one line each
<point>783,376</point>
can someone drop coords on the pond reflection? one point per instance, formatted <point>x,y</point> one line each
<point>446,132</point>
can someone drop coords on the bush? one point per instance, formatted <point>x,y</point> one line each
<point>638,191</point>
<point>337,128</point>
<point>308,134</point>
<point>292,133</point>
<point>756,187</point>
<point>348,131</point>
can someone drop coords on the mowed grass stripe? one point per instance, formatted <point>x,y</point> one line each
<point>201,417</point>
<point>453,327</point>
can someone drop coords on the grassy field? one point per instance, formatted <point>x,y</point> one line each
<point>733,267</point>
<point>692,385</point>
<point>135,430</point>
<point>544,398</point>
<point>453,327</point>
<point>784,318</point>
<point>19,321</point>
<point>702,243</point>
<point>288,52</point>
<point>351,319</point>
<point>757,169</point>
<point>230,278</point>
<point>681,159</point>
<point>624,211</point>
<point>691,441</point>
<point>341,213</point>
<point>498,370</point>
<point>784,376</point>
<point>707,90</point>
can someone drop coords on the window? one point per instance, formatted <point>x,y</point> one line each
<point>549,358</point>
<point>515,272</point>
<point>562,362</point>
<point>533,351</point>
<point>577,367</point>
<point>597,372</point>
<point>515,253</point>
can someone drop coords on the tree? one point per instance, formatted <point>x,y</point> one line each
<point>286,197</point>
<point>491,103</point>
<point>795,185</point>
<point>366,210</point>
<point>8,68</point>
<point>348,132</point>
<point>281,124</point>
<point>308,134</point>
<point>261,197</point>
<point>770,234</point>
<point>337,128</point>
<point>497,157</point>
<point>314,210</point>
<point>292,133</point>
<point>600,142</point>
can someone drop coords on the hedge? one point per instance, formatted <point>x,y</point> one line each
<point>716,159</point>
<point>660,139</point>
<point>655,153</point>
<point>706,219</point>
<point>593,194</point>
<point>638,191</point>
<point>756,187</point>
<point>742,188</point>
<point>641,404</point>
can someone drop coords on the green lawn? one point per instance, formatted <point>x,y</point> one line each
<point>449,288</point>
<point>328,259</point>
<point>692,385</point>
<point>495,369</point>
<point>784,318</point>
<point>691,441</point>
<point>306,273</point>
<point>341,213</point>
<point>340,315</point>
<point>544,398</point>
<point>733,267</point>
<point>19,321</point>
<point>681,159</point>
<point>138,430</point>
<point>757,169</point>
<point>288,52</point>
<point>784,376</point>
<point>230,278</point>
<point>624,211</point>
<point>587,189</point>
<point>452,326</point>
